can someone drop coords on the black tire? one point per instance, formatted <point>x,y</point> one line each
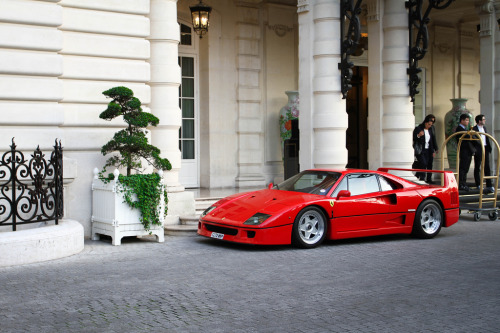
<point>477,216</point>
<point>428,219</point>
<point>493,216</point>
<point>309,228</point>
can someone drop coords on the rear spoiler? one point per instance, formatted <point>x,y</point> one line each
<point>446,173</point>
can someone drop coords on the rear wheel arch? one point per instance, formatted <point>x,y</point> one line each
<point>429,218</point>
<point>440,204</point>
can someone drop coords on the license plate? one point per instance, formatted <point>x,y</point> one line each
<point>217,235</point>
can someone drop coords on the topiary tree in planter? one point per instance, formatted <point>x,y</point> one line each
<point>131,143</point>
<point>144,192</point>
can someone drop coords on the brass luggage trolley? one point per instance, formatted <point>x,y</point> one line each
<point>470,201</point>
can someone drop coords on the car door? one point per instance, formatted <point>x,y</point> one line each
<point>365,209</point>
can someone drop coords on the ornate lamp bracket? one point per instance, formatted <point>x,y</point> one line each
<point>418,20</point>
<point>350,10</point>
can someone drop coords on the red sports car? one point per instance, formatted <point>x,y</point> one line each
<point>333,204</point>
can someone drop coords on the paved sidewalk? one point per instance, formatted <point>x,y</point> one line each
<point>191,284</point>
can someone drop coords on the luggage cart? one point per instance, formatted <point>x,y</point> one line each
<point>473,202</point>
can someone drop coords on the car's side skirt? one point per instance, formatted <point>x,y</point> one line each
<point>370,232</point>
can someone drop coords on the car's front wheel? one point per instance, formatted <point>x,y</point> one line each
<point>428,219</point>
<point>309,228</point>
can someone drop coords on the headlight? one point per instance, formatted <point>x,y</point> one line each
<point>257,219</point>
<point>208,210</point>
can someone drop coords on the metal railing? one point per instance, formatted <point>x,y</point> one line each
<point>31,190</point>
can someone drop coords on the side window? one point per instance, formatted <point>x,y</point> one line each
<point>386,184</point>
<point>340,187</point>
<point>363,183</point>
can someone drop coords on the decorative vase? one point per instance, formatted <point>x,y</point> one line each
<point>288,113</point>
<point>451,121</point>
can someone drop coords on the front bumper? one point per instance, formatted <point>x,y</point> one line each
<point>258,236</point>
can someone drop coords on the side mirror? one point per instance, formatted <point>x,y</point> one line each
<point>270,186</point>
<point>343,193</point>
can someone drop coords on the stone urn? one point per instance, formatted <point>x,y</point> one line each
<point>451,121</point>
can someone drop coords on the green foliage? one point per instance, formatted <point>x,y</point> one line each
<point>148,189</point>
<point>131,143</point>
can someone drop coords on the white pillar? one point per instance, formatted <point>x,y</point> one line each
<point>165,81</point>
<point>398,119</point>
<point>325,113</point>
<point>306,35</point>
<point>250,124</point>
<point>489,67</point>
<point>495,117</point>
<point>375,104</point>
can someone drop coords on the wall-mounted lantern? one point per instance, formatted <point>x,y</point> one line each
<point>200,15</point>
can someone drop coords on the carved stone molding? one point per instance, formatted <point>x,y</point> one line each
<point>302,6</point>
<point>443,47</point>
<point>280,29</point>
<point>486,11</point>
<point>484,6</point>
<point>373,10</point>
<point>467,33</point>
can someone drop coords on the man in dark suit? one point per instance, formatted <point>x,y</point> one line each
<point>485,141</point>
<point>467,149</point>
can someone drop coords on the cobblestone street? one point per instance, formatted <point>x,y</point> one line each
<point>191,284</point>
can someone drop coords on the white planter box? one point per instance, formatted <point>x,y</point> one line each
<point>113,217</point>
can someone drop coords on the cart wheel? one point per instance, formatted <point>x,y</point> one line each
<point>477,216</point>
<point>459,212</point>
<point>493,216</point>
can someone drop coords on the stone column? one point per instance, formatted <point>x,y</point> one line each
<point>375,40</point>
<point>397,119</point>
<point>325,145</point>
<point>249,96</point>
<point>165,81</point>
<point>489,67</point>
<point>494,122</point>
<point>305,83</point>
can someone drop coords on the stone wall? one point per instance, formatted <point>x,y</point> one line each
<point>56,58</point>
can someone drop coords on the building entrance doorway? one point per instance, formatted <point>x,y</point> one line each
<point>357,111</point>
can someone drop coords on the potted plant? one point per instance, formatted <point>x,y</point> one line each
<point>131,205</point>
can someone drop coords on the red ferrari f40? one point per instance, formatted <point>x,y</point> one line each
<point>320,204</point>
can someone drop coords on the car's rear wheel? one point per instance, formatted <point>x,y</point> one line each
<point>428,219</point>
<point>309,228</point>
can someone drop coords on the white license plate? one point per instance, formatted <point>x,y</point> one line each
<point>217,235</point>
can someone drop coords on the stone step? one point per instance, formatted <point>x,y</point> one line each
<point>200,204</point>
<point>189,223</point>
<point>181,230</point>
<point>189,219</point>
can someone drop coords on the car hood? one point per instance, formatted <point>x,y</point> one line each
<point>238,208</point>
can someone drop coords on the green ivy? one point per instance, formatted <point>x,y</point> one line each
<point>148,189</point>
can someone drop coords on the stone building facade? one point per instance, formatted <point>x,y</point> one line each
<point>220,129</point>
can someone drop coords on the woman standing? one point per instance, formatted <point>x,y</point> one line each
<point>425,146</point>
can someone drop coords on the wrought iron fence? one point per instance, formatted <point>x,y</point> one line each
<point>31,190</point>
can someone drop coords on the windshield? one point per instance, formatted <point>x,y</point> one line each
<point>314,182</point>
